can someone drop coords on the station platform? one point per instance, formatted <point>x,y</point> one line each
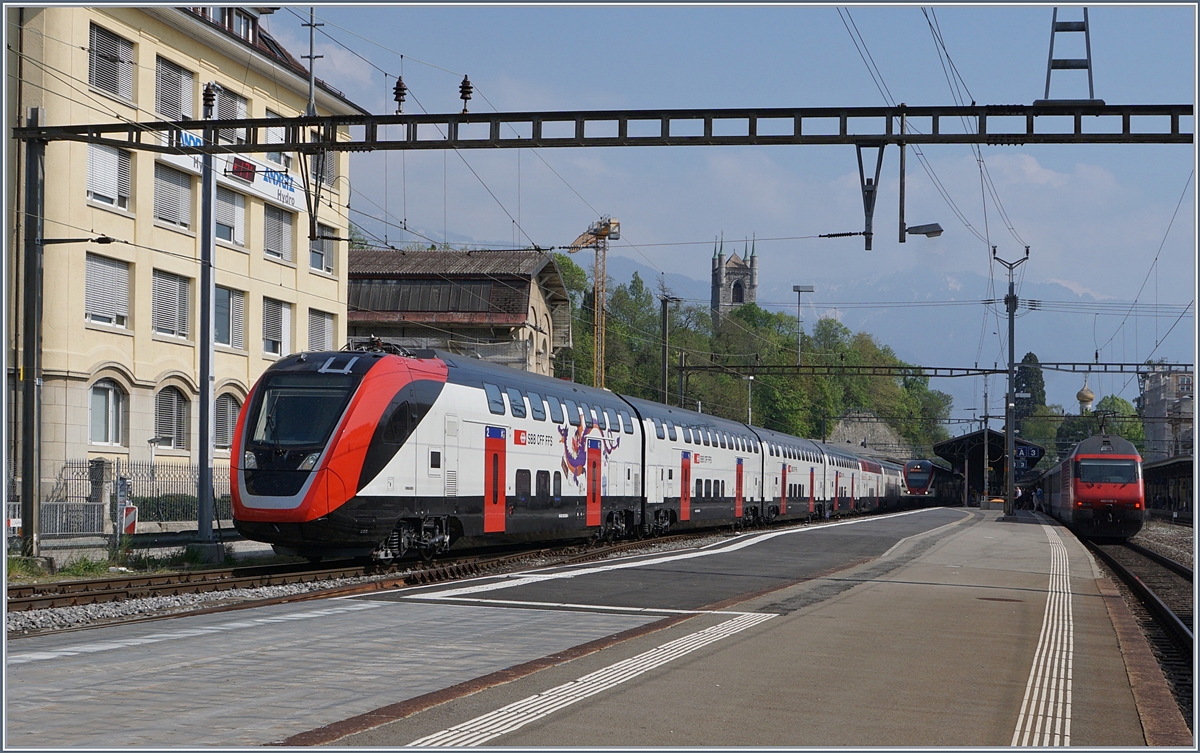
<point>985,631</point>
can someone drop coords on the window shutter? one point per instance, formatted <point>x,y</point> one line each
<point>320,330</point>
<point>225,420</point>
<point>172,90</point>
<point>231,106</point>
<point>231,211</point>
<point>122,178</point>
<point>107,289</point>
<point>170,418</point>
<point>110,63</point>
<point>272,323</point>
<point>237,319</point>
<point>172,195</point>
<point>103,171</point>
<point>277,232</point>
<point>170,303</point>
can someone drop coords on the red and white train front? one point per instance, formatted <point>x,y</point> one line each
<point>1098,488</point>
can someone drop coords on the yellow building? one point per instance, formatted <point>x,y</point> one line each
<point>120,322</point>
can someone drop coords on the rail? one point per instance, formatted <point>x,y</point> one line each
<point>1165,615</point>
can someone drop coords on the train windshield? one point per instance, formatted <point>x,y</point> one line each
<point>1108,471</point>
<point>301,410</point>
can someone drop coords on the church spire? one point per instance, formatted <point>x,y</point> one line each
<point>753,242</point>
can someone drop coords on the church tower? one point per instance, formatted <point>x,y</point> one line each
<point>734,280</point>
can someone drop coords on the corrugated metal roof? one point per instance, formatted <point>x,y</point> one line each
<point>376,262</point>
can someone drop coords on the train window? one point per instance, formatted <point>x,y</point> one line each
<point>523,486</point>
<point>397,427</point>
<point>721,440</point>
<point>626,422</point>
<point>536,408</point>
<point>671,430</point>
<point>1107,471</point>
<point>754,444</point>
<point>658,428</point>
<point>556,412</point>
<point>557,484</point>
<point>685,434</point>
<point>699,489</point>
<point>601,418</point>
<point>628,473</point>
<point>670,473</point>
<point>588,418</point>
<point>704,435</point>
<point>572,413</point>
<point>494,398</point>
<point>614,424</point>
<point>722,488</point>
<point>707,488</point>
<point>543,487</point>
<point>435,459</point>
<point>516,402</point>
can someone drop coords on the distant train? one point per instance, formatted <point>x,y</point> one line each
<point>356,453</point>
<point>1097,490</point>
<point>935,483</point>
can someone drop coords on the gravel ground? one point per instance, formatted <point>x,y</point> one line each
<point>1176,542</point>
<point>17,623</point>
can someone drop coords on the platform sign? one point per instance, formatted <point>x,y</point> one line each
<point>129,516</point>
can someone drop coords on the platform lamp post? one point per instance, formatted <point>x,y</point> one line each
<point>798,289</point>
<point>1010,303</point>
<point>749,400</point>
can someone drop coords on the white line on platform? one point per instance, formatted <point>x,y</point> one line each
<point>113,645</point>
<point>1045,717</point>
<point>516,715</point>
<point>566,605</point>
<point>741,542</point>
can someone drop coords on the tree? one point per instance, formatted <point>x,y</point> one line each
<point>1041,428</point>
<point>1118,417</point>
<point>1028,380</point>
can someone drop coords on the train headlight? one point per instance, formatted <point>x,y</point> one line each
<point>249,461</point>
<point>309,462</point>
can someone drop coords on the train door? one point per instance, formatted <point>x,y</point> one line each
<point>783,490</point>
<point>593,473</point>
<point>495,503</point>
<point>685,487</point>
<point>450,456</point>
<point>852,475</point>
<point>837,489</point>
<point>812,490</point>
<point>737,491</point>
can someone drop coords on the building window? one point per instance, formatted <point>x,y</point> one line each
<point>107,407</point>
<point>231,216</point>
<point>172,196</point>
<point>110,63</point>
<point>231,106</point>
<point>107,297</point>
<point>277,135</point>
<point>739,296</point>
<point>229,310</point>
<point>225,413</point>
<point>170,304</point>
<point>320,250</point>
<point>173,87</point>
<point>320,330</point>
<point>171,419</point>
<point>243,25</point>
<point>277,233</point>
<point>277,327</point>
<point>108,175</point>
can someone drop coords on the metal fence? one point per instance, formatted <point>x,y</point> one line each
<point>87,494</point>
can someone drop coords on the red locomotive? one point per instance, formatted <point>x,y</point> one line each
<point>1097,489</point>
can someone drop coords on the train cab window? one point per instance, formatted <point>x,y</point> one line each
<point>699,489</point>
<point>614,423</point>
<point>671,430</point>
<point>494,398</point>
<point>556,412</point>
<point>543,487</point>
<point>523,487</point>
<point>536,408</point>
<point>658,428</point>
<point>516,402</point>
<point>398,425</point>
<point>707,488</point>
<point>626,422</point>
<point>557,485</point>
<point>572,413</point>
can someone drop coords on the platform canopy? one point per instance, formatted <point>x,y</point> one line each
<point>971,453</point>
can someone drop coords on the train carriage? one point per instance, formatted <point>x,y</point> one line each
<point>356,453</point>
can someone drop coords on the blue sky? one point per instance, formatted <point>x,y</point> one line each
<point>1094,216</point>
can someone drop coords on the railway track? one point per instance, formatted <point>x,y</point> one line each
<point>1158,591</point>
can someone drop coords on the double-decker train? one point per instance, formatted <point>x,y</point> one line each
<point>1097,490</point>
<point>355,453</point>
<point>931,482</point>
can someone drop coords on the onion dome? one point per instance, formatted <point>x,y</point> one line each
<point>1085,397</point>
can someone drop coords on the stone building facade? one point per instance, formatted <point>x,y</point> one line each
<point>734,280</point>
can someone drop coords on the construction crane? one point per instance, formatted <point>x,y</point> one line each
<point>597,236</point>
